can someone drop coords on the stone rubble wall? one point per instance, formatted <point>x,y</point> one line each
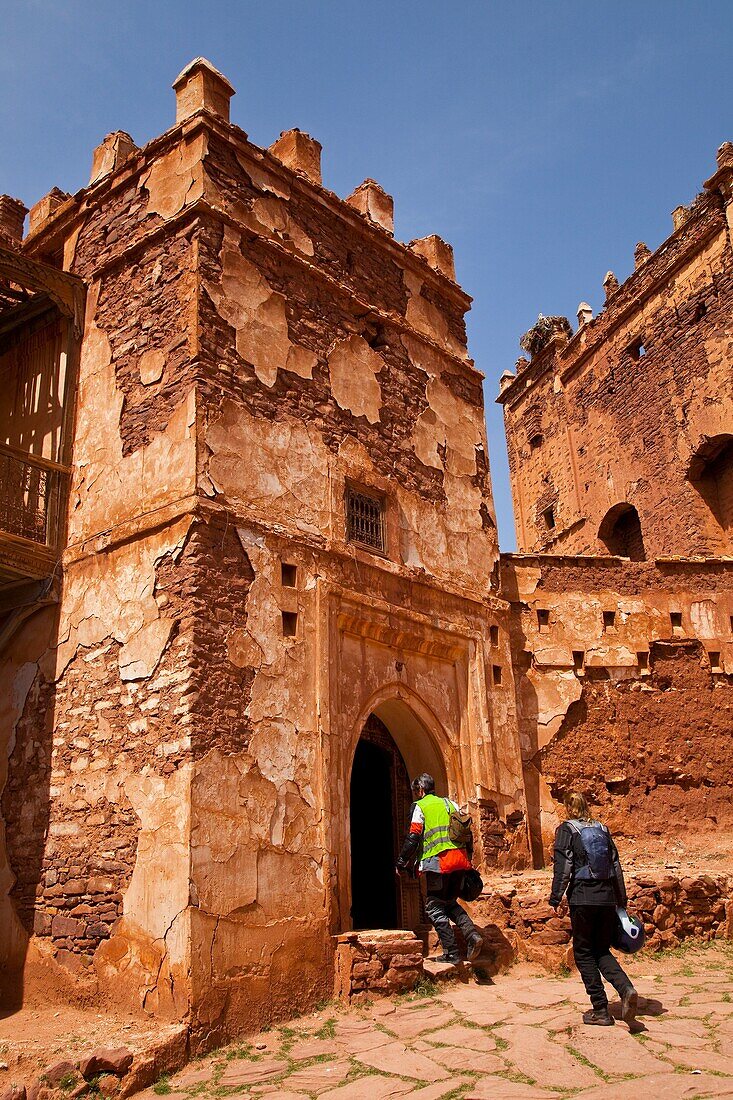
<point>376,963</point>
<point>518,922</point>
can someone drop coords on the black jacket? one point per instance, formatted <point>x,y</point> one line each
<point>569,857</point>
<point>411,851</point>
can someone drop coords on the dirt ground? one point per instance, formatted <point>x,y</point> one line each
<point>40,1035</point>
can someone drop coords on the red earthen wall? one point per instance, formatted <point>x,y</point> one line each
<point>613,428</point>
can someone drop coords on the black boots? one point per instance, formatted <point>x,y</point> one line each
<point>629,1003</point>
<point>599,1017</point>
<point>474,944</point>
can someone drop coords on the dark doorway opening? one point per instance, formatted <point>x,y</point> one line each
<point>379,815</point>
<point>621,532</point>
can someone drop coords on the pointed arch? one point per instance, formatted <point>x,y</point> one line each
<point>416,730</point>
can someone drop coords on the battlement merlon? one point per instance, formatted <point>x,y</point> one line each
<point>179,164</point>
<point>693,226</point>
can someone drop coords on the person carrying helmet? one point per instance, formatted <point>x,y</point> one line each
<point>443,864</point>
<point>586,865</point>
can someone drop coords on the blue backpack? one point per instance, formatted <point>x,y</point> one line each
<point>596,841</point>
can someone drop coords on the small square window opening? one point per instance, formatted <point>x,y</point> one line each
<point>536,441</point>
<point>609,620</point>
<point>496,673</point>
<point>494,636</point>
<point>578,660</point>
<point>288,575</point>
<point>675,619</point>
<point>715,665</point>
<point>543,619</point>
<point>642,659</point>
<point>290,624</point>
<point>365,520</point>
<point>637,349</point>
<point>548,516</point>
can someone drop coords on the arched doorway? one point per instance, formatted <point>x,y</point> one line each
<point>379,817</point>
<point>711,472</point>
<point>621,534</point>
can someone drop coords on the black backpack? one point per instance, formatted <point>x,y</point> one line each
<point>596,841</point>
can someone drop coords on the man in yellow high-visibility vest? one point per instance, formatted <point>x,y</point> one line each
<point>443,863</point>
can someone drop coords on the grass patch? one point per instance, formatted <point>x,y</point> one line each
<point>425,988</point>
<point>162,1086</point>
<point>67,1082</point>
<point>328,1031</point>
<point>587,1062</point>
<point>517,1076</point>
<point>244,1050</point>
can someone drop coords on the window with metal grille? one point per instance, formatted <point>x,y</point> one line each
<point>365,519</point>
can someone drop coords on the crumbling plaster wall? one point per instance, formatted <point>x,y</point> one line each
<point>616,428</point>
<point>317,358</point>
<point>648,743</point>
<point>250,347</point>
<point>100,736</point>
<point>319,371</point>
<point>270,855</point>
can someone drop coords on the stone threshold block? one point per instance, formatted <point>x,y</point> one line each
<point>376,962</point>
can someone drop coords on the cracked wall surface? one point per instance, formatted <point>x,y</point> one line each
<point>253,349</point>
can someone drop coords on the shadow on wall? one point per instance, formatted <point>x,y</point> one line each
<point>527,710</point>
<point>25,806</point>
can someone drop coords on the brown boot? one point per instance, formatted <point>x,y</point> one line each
<point>598,1016</point>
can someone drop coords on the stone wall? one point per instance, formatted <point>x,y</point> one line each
<point>376,963</point>
<point>620,414</point>
<point>517,921</point>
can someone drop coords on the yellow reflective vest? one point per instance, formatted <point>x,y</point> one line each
<point>437,817</point>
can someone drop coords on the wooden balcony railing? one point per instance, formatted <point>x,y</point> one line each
<point>30,494</point>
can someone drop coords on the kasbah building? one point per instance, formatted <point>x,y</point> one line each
<point>250,578</point>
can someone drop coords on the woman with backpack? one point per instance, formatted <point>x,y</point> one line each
<point>588,868</point>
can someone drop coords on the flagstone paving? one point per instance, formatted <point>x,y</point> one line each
<point>518,1037</point>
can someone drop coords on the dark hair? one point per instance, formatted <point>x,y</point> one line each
<point>425,782</point>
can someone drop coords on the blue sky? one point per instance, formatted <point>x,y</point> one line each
<point>542,139</point>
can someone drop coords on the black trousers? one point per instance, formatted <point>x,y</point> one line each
<point>593,927</point>
<point>441,907</point>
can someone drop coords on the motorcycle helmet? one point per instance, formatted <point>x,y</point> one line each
<point>629,933</point>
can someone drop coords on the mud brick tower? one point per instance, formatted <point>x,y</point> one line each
<point>280,583</point>
<point>620,438</point>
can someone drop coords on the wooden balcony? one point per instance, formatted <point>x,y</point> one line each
<point>41,319</point>
<point>31,492</point>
